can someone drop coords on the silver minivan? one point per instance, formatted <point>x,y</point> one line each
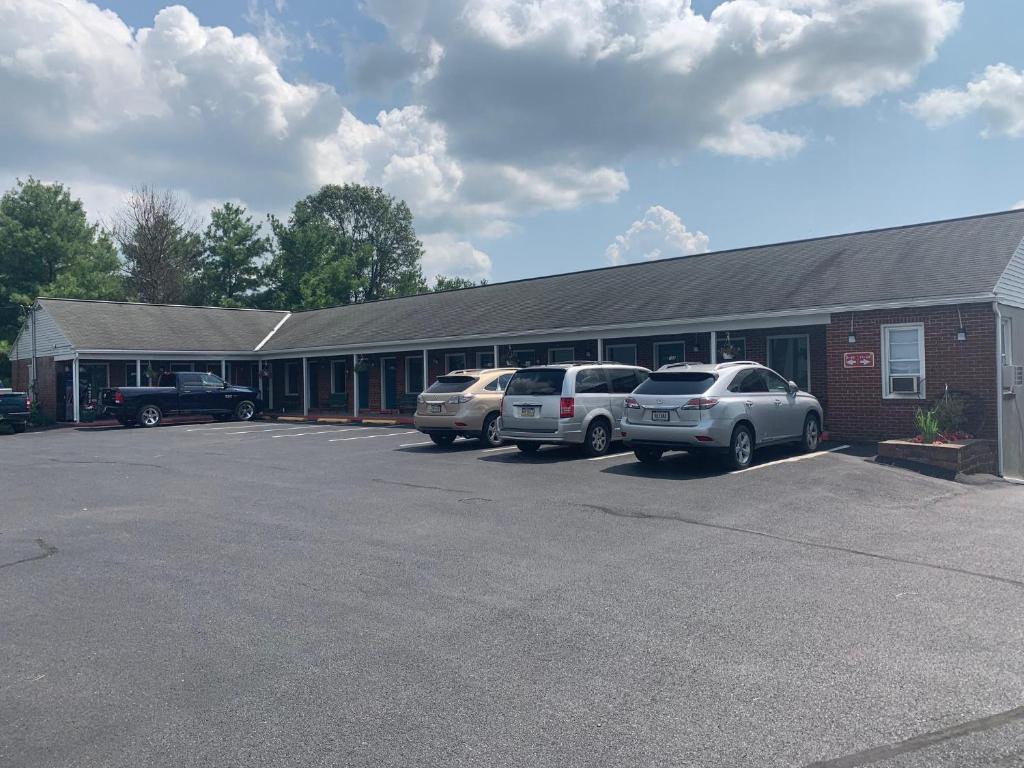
<point>568,403</point>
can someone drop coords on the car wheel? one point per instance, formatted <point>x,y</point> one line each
<point>491,434</point>
<point>812,434</point>
<point>245,410</point>
<point>443,440</point>
<point>648,455</point>
<point>528,447</point>
<point>598,438</point>
<point>149,416</point>
<point>18,427</point>
<point>741,447</point>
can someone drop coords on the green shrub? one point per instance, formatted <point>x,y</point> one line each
<point>38,417</point>
<point>951,414</point>
<point>927,424</point>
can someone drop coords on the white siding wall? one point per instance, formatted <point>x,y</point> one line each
<point>48,334</point>
<point>1010,287</point>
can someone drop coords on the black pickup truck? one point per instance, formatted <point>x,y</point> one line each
<point>15,408</point>
<point>181,394</point>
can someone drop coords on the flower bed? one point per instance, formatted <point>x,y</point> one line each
<point>942,457</point>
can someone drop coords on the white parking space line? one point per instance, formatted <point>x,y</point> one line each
<point>365,437</point>
<point>503,448</point>
<point>610,456</point>
<point>413,445</point>
<point>236,426</point>
<point>320,432</point>
<point>790,460</point>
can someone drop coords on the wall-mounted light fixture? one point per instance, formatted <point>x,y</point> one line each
<point>961,332</point>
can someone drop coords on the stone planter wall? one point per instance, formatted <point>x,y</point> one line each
<point>969,457</point>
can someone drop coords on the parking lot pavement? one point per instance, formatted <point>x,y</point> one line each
<point>269,594</point>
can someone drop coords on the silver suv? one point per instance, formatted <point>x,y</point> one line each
<point>731,407</point>
<point>578,403</point>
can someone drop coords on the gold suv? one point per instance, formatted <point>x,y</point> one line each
<point>465,403</point>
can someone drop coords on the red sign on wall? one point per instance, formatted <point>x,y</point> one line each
<point>859,360</point>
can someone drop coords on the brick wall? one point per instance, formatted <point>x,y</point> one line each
<point>857,410</point>
<point>46,396</point>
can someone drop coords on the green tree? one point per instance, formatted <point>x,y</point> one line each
<point>446,283</point>
<point>160,245</point>
<point>48,246</point>
<point>343,245</point>
<point>231,267</point>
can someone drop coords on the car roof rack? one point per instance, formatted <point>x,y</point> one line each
<point>735,362</point>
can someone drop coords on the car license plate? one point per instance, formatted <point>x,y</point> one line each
<point>527,411</point>
<point>435,407</point>
<point>659,415</point>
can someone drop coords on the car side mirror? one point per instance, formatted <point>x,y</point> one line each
<point>224,385</point>
<point>793,388</point>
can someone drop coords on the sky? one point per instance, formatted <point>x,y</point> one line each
<point>530,138</point>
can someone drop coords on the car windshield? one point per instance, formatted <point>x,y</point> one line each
<point>536,382</point>
<point>676,383</point>
<point>447,384</point>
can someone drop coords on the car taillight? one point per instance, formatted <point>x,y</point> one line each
<point>631,402</point>
<point>459,399</point>
<point>28,403</point>
<point>566,408</point>
<point>119,397</point>
<point>700,403</point>
<point>501,405</point>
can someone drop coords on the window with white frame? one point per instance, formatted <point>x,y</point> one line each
<point>521,358</point>
<point>903,367</point>
<point>339,380</point>
<point>1006,342</point>
<point>561,354</point>
<point>455,361</point>
<point>291,379</point>
<point>620,353</point>
<point>485,360</point>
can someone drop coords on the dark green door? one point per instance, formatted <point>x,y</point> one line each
<point>389,369</point>
<point>364,389</point>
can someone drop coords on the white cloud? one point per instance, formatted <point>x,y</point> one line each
<point>660,234</point>
<point>596,80</point>
<point>1017,206</point>
<point>998,96</point>
<point>444,255</point>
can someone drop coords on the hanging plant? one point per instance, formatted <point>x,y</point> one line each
<point>362,364</point>
<point>728,351</point>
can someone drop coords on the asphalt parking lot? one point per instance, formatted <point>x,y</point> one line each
<point>303,595</point>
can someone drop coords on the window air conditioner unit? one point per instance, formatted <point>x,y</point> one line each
<point>1013,376</point>
<point>905,385</point>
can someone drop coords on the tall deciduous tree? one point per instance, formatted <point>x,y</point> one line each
<point>232,262</point>
<point>343,245</point>
<point>160,245</point>
<point>449,283</point>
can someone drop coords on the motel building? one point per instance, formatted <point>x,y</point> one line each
<point>876,324</point>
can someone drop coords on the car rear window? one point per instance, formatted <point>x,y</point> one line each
<point>676,383</point>
<point>538,382</point>
<point>446,384</point>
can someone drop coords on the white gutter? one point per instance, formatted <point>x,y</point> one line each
<point>999,387</point>
<point>272,332</point>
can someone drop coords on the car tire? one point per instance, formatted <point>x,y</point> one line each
<point>245,411</point>
<point>19,427</point>
<point>811,440</point>
<point>490,435</point>
<point>528,447</point>
<point>443,440</point>
<point>648,455</point>
<point>741,447</point>
<point>598,439</point>
<point>149,416</point>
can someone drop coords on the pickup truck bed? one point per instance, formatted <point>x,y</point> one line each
<point>181,394</point>
<point>15,408</point>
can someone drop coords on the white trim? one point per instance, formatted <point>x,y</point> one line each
<point>621,346</point>
<point>884,331</point>
<point>408,383</point>
<point>552,350</point>
<point>655,362</point>
<point>713,352</point>
<point>999,389</point>
<point>1006,340</point>
<point>768,352</point>
<point>287,379</point>
<point>426,370</point>
<point>138,372</point>
<point>273,330</point>
<point>513,354</point>
<point>384,406</point>
<point>600,349</point>
<point>76,404</point>
<point>305,386</point>
<point>149,354</point>
<point>479,362</point>
<point>448,367</point>
<point>105,365</point>
<point>223,369</point>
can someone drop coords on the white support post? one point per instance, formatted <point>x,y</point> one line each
<point>138,373</point>
<point>600,349</point>
<point>426,369</point>
<point>355,386</point>
<point>497,362</point>
<point>224,369</point>
<point>76,405</point>
<point>305,386</point>
<point>270,387</point>
<point>714,347</point>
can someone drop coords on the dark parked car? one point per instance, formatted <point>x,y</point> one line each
<point>181,394</point>
<point>15,408</point>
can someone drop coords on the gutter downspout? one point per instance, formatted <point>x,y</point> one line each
<point>999,387</point>
<point>33,386</point>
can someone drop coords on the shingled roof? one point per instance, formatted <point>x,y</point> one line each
<point>939,260</point>
<point>160,327</point>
